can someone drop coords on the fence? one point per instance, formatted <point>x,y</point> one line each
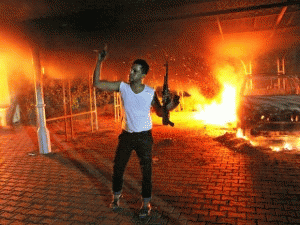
<point>69,117</point>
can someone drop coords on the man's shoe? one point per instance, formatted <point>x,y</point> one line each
<point>145,211</point>
<point>114,205</point>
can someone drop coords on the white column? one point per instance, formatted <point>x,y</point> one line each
<point>42,131</point>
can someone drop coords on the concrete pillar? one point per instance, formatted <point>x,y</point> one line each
<point>42,131</point>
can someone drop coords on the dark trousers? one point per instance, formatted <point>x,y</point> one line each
<point>142,143</point>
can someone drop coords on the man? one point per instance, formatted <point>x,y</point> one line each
<point>137,99</point>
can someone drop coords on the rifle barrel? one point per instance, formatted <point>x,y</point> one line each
<point>166,114</point>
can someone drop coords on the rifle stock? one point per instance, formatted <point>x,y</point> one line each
<point>166,100</point>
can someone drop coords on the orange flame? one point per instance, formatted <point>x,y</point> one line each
<point>222,110</point>
<point>233,47</point>
<point>220,113</point>
<point>15,65</point>
<point>4,91</point>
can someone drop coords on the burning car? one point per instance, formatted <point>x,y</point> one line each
<point>269,105</point>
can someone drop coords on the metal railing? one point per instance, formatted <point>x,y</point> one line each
<point>65,117</point>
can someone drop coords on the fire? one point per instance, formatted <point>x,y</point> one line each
<point>231,49</point>
<point>222,110</point>
<point>15,69</point>
<point>220,113</point>
<point>4,91</point>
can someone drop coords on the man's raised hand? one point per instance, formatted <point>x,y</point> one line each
<point>102,54</point>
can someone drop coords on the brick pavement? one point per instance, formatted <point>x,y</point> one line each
<point>199,177</point>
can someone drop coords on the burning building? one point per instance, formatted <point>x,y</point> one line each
<point>16,74</point>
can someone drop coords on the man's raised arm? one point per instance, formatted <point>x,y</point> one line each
<point>103,84</point>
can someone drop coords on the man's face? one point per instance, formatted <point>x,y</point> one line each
<point>136,73</point>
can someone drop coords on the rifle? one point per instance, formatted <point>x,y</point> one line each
<point>166,100</point>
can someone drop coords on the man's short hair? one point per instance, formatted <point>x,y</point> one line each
<point>144,64</point>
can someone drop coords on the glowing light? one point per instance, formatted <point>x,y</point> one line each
<point>220,113</point>
<point>276,149</point>
<point>239,133</point>
<point>288,146</point>
<point>240,45</point>
<point>4,91</point>
<point>285,146</point>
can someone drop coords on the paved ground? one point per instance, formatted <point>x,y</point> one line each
<point>200,176</point>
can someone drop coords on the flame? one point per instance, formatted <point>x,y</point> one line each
<point>239,134</point>
<point>288,146</point>
<point>285,146</point>
<point>222,110</point>
<point>4,91</point>
<point>276,144</point>
<point>15,64</point>
<point>220,113</point>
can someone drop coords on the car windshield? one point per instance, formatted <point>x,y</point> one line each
<point>271,85</point>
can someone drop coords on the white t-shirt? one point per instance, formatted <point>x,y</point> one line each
<point>136,108</point>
